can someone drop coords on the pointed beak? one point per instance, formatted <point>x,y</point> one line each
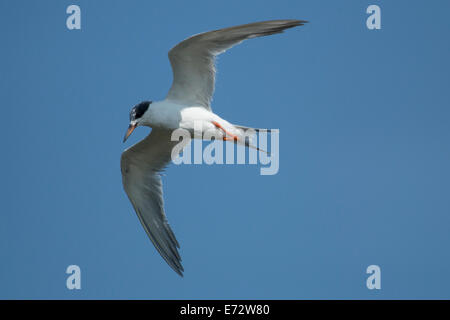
<point>130,129</point>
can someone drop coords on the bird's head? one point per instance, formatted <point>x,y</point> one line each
<point>137,117</point>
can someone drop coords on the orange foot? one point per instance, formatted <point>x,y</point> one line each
<point>231,137</point>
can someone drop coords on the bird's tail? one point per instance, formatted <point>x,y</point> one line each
<point>247,140</point>
<point>250,128</point>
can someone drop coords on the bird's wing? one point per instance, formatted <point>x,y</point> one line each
<point>192,60</point>
<point>141,165</point>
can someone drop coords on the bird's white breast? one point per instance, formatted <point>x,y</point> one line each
<point>169,115</point>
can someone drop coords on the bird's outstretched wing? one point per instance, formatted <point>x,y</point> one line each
<point>141,165</point>
<point>192,60</point>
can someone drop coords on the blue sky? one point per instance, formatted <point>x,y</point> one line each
<point>364,152</point>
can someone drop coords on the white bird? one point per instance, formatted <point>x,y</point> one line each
<point>188,101</point>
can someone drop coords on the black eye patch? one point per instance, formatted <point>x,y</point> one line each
<point>139,110</point>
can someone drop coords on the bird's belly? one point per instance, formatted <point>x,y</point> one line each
<point>200,123</point>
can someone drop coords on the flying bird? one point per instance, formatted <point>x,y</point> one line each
<point>188,102</point>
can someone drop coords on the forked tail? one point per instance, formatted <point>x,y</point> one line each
<point>247,141</point>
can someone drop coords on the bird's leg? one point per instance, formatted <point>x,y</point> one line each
<point>235,138</point>
<point>231,137</point>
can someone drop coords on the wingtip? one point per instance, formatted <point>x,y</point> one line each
<point>179,271</point>
<point>300,22</point>
<point>287,24</point>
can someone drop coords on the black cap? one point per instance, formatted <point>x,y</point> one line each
<point>139,110</point>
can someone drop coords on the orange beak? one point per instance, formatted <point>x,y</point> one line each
<point>131,128</point>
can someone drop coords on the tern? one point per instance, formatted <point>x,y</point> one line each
<point>188,102</point>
